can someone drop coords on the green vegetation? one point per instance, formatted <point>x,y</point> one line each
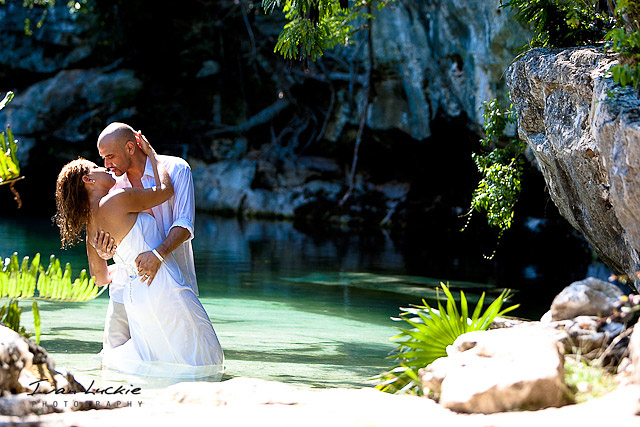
<point>625,41</point>
<point>586,381</point>
<point>317,25</point>
<point>501,164</point>
<point>9,166</point>
<point>30,281</point>
<point>562,23</point>
<point>432,331</point>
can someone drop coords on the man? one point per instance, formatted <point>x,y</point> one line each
<point>118,146</point>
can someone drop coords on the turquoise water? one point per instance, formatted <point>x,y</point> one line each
<point>286,306</point>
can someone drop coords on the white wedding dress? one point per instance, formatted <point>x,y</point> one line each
<point>171,334</point>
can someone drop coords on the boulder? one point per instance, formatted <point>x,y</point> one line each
<point>255,187</point>
<point>26,367</point>
<point>588,297</point>
<point>586,143</point>
<point>73,105</point>
<point>499,370</point>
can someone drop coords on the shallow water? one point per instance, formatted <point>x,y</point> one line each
<point>286,306</point>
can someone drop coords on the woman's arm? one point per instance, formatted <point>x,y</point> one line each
<point>97,266</point>
<point>138,199</point>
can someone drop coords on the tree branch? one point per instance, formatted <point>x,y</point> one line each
<point>264,116</point>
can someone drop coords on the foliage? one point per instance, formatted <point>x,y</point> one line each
<point>625,41</point>
<point>32,282</point>
<point>9,166</point>
<point>501,165</point>
<point>317,25</point>
<point>432,331</point>
<point>562,23</point>
<point>586,381</point>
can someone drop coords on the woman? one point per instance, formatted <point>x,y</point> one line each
<point>171,334</point>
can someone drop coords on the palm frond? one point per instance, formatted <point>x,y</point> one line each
<point>432,331</point>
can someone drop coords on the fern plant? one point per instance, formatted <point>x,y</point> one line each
<point>30,281</point>
<point>431,332</point>
<point>317,25</point>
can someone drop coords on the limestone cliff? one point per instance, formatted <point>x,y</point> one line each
<point>586,143</point>
<point>188,72</point>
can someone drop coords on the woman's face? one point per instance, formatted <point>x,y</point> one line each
<point>100,176</point>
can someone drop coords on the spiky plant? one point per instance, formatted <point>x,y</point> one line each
<point>431,332</point>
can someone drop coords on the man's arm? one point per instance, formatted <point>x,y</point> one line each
<point>181,229</point>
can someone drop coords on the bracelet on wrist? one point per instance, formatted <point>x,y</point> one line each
<point>158,255</point>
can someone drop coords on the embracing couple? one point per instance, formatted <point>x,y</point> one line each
<point>143,219</point>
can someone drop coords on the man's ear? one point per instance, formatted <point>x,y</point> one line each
<point>130,146</point>
<point>85,178</point>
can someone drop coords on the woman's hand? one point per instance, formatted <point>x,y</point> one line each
<point>144,144</point>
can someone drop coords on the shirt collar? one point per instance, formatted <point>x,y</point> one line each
<point>148,169</point>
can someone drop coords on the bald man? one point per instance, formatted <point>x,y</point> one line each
<point>118,146</point>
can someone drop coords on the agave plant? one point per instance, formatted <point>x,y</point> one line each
<point>30,281</point>
<point>431,332</point>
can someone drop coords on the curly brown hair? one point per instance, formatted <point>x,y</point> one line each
<point>72,202</point>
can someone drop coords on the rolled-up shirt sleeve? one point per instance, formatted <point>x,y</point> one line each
<point>184,206</point>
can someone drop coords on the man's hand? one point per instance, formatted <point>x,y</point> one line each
<point>104,244</point>
<point>148,265</point>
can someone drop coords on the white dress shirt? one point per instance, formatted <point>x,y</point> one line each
<point>178,211</point>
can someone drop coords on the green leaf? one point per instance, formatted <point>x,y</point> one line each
<point>36,320</point>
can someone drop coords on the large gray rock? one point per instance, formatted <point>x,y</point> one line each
<point>73,105</point>
<point>500,370</point>
<point>588,297</point>
<point>61,42</point>
<point>586,144</point>
<point>255,187</point>
<point>435,57</point>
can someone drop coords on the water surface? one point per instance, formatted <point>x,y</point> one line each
<point>309,310</point>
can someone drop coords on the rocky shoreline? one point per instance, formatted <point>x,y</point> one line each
<point>512,374</point>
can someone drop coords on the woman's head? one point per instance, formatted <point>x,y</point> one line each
<point>76,182</point>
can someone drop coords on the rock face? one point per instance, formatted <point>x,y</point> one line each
<point>589,297</point>
<point>255,187</point>
<point>586,145</point>
<point>71,106</point>
<point>439,56</point>
<point>499,370</point>
<point>64,40</point>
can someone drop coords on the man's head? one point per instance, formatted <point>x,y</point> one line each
<point>117,146</point>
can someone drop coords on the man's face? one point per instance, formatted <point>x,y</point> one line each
<point>115,156</point>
